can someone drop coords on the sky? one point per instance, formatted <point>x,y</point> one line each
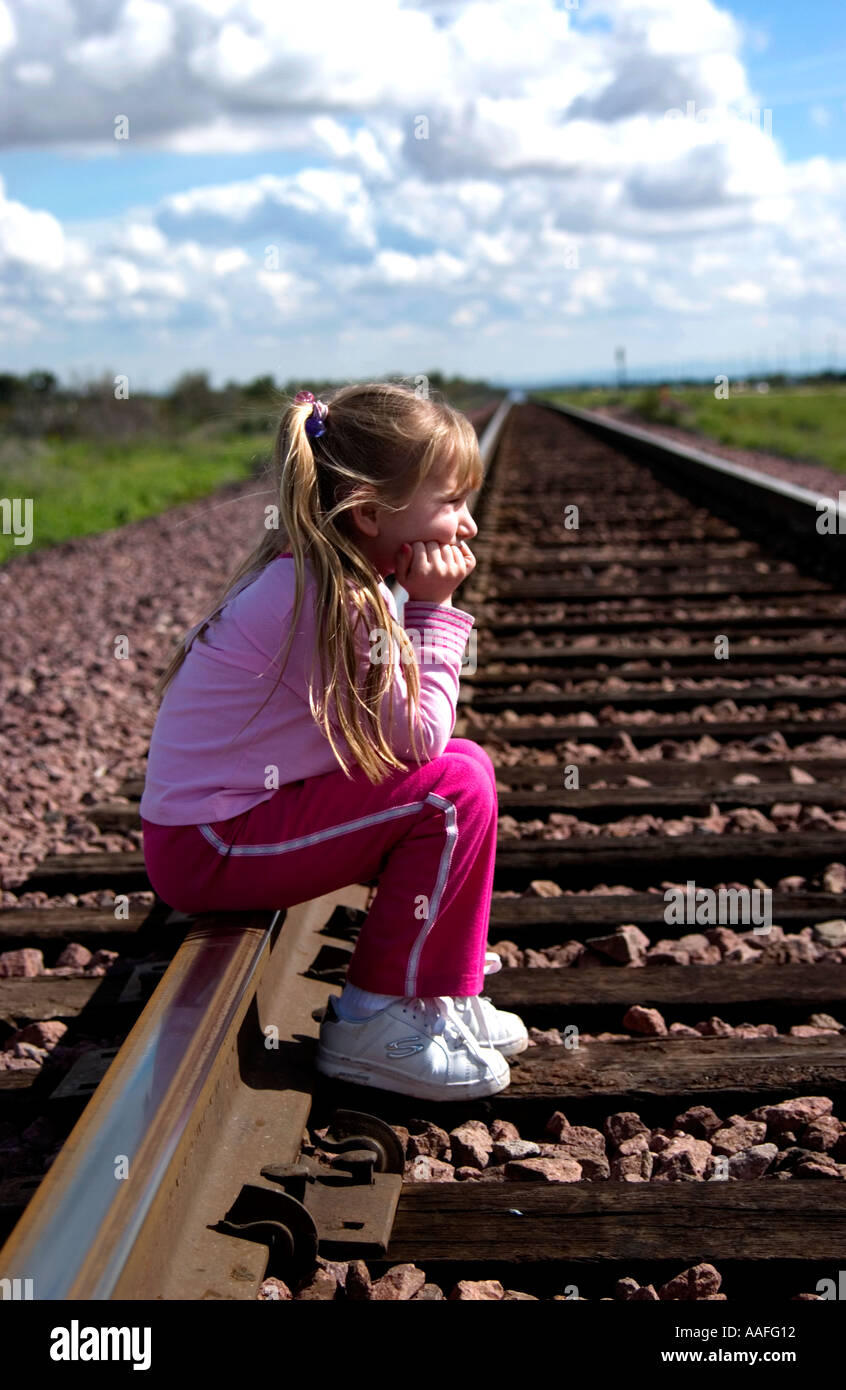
<point>512,189</point>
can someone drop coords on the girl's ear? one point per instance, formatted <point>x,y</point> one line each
<point>366,517</point>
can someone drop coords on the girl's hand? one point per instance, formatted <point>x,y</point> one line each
<point>430,571</point>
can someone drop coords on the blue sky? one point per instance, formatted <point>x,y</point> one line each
<point>278,211</point>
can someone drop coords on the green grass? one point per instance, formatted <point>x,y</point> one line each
<point>80,487</point>
<point>795,422</point>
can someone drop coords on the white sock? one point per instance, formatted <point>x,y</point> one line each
<point>355,1004</point>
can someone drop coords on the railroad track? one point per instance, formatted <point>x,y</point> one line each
<point>662,693</point>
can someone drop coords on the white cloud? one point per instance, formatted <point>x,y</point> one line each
<point>543,138</point>
<point>142,37</point>
<point>33,74</point>
<point>8,32</point>
<point>745,292</point>
<point>29,237</point>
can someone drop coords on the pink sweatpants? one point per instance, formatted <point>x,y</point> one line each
<point>428,835</point>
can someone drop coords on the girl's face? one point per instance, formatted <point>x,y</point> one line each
<point>437,512</point>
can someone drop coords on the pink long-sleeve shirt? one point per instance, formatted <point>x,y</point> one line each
<point>202,766</point>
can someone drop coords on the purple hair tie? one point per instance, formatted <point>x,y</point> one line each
<point>314,425</point>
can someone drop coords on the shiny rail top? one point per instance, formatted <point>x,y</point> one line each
<point>77,1234</point>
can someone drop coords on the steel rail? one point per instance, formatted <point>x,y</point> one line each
<point>77,1233</point>
<point>761,501</point>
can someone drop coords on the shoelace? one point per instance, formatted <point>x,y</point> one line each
<point>473,1005</point>
<point>443,1012</point>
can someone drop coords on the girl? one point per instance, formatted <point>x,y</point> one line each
<point>251,806</point>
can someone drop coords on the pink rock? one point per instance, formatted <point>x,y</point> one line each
<point>628,1290</point>
<point>700,1281</point>
<point>358,1283</point>
<point>752,1162</point>
<point>723,937</point>
<point>102,958</point>
<point>816,1168</point>
<point>468,1174</point>
<point>535,960</point>
<point>10,1063</point>
<point>831,934</point>
<point>274,1290</point>
<point>624,1124</point>
<point>821,1134</point>
<point>320,1287</point>
<point>427,1169</point>
<point>430,1293</point>
<point>556,1123</point>
<point>646,1022</point>
<point>546,1037</point>
<point>638,1144</point>
<point>471,1144</point>
<point>627,945</point>
<point>708,954</point>
<point>338,1268</point>
<point>402,1134</point>
<point>800,776</point>
<point>29,1051</point>
<point>23,964</point>
<point>714,1028</point>
<point>567,953</point>
<point>509,953</point>
<point>738,1134</point>
<point>694,942</point>
<point>791,950</point>
<point>502,1130</point>
<point>44,1034</point>
<point>576,1136</point>
<point>667,953</point>
<point>507,1150</point>
<point>682,1030</point>
<point>792,1114</point>
<point>745,818</point>
<point>682,1157</point>
<point>699,1120</point>
<point>743,954</point>
<point>477,1290</point>
<point>807,1030</point>
<point>75,956</point>
<point>632,1167</point>
<point>834,879</point>
<point>563,1169</point>
<point>399,1284</point>
<point>595,1167</point>
<point>430,1141</point>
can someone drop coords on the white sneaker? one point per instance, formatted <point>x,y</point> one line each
<point>493,1027</point>
<point>418,1047</point>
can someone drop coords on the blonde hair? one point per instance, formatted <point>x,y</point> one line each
<point>381,441</point>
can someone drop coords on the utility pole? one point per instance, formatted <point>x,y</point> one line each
<point>620,364</point>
